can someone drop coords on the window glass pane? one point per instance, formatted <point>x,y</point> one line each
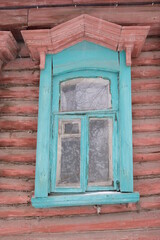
<point>85,94</point>
<point>68,163</point>
<point>71,128</point>
<point>100,151</point>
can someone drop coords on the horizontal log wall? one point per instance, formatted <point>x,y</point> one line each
<point>19,83</point>
<point>49,16</point>
<point>39,3</point>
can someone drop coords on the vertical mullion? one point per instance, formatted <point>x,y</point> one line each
<point>85,144</point>
<point>118,147</point>
<point>114,150</point>
<point>83,154</point>
<point>54,156</point>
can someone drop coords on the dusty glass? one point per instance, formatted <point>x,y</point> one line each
<point>100,151</point>
<point>84,94</point>
<point>68,164</point>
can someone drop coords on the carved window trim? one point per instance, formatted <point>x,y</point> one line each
<point>85,27</point>
<point>128,42</point>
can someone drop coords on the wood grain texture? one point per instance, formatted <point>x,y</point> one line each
<point>11,197</point>
<point>18,3</point>
<point>23,50</point>
<point>8,170</point>
<point>8,47</point>
<point>28,211</point>
<point>19,92</point>
<point>18,155</point>
<point>142,157</point>
<point>15,107</point>
<point>80,224</point>
<point>122,15</point>
<point>49,17</point>
<point>16,134</point>
<point>18,123</point>
<point>10,3</point>
<point>151,44</point>
<point>145,72</point>
<point>21,64</point>
<point>109,1</point>
<point>16,78</point>
<point>146,168</point>
<point>147,187</point>
<point>13,19</point>
<point>147,125</point>
<point>147,97</point>
<point>16,184</point>
<point>146,139</point>
<point>18,142</point>
<point>145,113</point>
<point>145,84</point>
<point>147,58</point>
<point>150,202</point>
<point>137,234</point>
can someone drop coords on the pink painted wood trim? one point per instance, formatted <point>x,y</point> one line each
<point>128,49</point>
<point>85,27</point>
<point>42,60</point>
<point>8,47</point>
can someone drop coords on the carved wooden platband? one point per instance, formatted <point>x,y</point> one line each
<point>89,28</point>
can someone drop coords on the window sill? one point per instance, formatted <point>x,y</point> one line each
<point>99,198</point>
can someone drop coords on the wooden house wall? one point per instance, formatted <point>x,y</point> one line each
<point>19,82</point>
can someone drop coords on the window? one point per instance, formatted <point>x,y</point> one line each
<point>84,142</point>
<point>84,132</point>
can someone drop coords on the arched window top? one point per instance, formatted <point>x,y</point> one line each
<point>82,94</point>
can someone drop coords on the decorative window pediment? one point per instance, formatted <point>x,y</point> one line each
<point>89,28</point>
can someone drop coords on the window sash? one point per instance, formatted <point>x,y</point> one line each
<point>84,152</point>
<point>54,159</point>
<point>112,77</point>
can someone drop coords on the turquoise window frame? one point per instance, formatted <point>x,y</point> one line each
<point>74,62</point>
<point>113,112</point>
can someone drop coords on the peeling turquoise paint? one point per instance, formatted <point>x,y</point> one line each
<point>84,60</point>
<point>85,55</point>
<point>85,199</point>
<point>42,180</point>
